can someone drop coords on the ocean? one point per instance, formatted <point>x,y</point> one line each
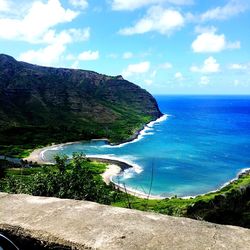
<point>200,144</point>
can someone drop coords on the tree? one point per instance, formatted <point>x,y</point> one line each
<point>61,162</point>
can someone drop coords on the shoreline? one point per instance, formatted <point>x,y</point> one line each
<point>37,154</point>
<point>140,133</point>
<point>114,168</point>
<point>116,165</point>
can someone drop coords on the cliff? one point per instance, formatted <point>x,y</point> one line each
<point>51,223</point>
<point>40,105</point>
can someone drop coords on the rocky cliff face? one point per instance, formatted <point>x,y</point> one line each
<point>82,103</point>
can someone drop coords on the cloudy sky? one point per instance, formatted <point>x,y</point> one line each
<point>165,46</point>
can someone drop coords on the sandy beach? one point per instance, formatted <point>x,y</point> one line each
<point>114,168</point>
<point>137,193</point>
<point>35,156</point>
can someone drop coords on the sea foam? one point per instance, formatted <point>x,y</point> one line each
<point>135,167</point>
<point>50,148</point>
<point>144,132</point>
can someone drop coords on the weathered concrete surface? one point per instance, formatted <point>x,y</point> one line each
<point>82,224</point>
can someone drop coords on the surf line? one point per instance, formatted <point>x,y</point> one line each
<point>140,133</point>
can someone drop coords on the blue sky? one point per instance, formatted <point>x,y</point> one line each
<point>165,46</point>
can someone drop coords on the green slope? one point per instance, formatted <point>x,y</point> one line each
<point>41,105</point>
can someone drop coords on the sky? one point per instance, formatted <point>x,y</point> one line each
<point>164,46</point>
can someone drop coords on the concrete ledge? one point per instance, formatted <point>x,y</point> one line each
<point>87,225</point>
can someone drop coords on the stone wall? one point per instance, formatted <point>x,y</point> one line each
<point>51,223</point>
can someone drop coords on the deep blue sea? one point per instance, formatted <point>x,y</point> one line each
<point>203,143</point>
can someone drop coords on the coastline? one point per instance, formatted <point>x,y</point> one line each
<point>114,168</point>
<point>37,154</point>
<point>140,133</point>
<point>116,165</point>
<point>238,175</point>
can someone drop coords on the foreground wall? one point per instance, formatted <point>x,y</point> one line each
<point>73,224</point>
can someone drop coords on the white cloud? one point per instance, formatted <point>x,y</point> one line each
<point>232,8</point>
<point>130,4</point>
<point>204,80</point>
<point>35,24</point>
<point>4,5</point>
<point>178,76</point>
<point>112,56</point>
<point>233,45</point>
<point>238,66</point>
<point>209,42</point>
<point>66,36</point>
<point>89,55</point>
<point>38,20</point>
<point>181,2</point>
<point>63,37</point>
<point>47,56</point>
<point>210,65</point>
<point>127,55</point>
<point>148,81</point>
<point>75,65</point>
<point>166,65</point>
<point>83,4</point>
<point>135,4</point>
<point>70,57</point>
<point>205,29</point>
<point>52,53</point>
<point>157,19</point>
<point>79,35</point>
<point>138,68</point>
<point>153,74</point>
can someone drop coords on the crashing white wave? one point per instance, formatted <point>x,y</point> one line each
<point>128,173</point>
<point>135,167</point>
<point>51,148</point>
<point>145,131</point>
<point>159,120</point>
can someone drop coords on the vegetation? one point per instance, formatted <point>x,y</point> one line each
<point>229,205</point>
<point>75,179</point>
<point>21,141</point>
<point>42,105</point>
<point>80,179</point>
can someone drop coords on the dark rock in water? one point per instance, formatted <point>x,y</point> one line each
<point>59,104</point>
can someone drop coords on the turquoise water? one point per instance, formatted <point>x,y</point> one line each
<point>203,143</point>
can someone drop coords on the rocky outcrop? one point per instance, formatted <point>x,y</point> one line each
<point>71,224</point>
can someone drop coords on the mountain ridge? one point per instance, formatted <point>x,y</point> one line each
<point>68,104</point>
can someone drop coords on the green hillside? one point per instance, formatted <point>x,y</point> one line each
<point>43,105</point>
